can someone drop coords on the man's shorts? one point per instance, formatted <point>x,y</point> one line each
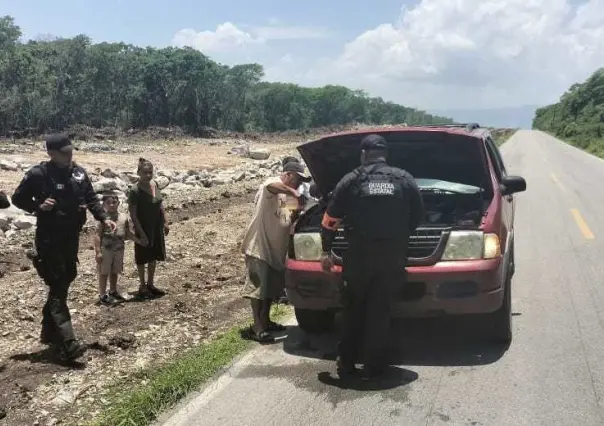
<point>262,281</point>
<point>113,262</point>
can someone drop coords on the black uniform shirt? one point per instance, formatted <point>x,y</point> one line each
<point>46,180</point>
<point>345,204</point>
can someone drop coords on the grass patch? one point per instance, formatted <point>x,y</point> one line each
<point>500,136</point>
<point>590,145</point>
<point>152,391</point>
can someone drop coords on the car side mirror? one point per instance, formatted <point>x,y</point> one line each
<point>512,184</point>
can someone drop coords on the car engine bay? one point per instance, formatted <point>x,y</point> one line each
<point>443,209</point>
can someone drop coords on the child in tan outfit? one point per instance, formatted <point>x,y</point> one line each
<point>109,248</point>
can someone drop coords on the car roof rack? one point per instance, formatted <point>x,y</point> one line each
<point>468,126</point>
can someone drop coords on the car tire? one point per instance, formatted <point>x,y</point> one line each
<point>315,322</point>
<point>499,322</point>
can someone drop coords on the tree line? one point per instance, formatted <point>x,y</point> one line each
<point>579,115</point>
<point>53,84</point>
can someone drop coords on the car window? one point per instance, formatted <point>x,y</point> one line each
<point>495,159</point>
<point>499,157</point>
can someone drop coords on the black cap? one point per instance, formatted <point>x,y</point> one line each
<point>58,142</point>
<point>374,142</point>
<point>286,160</point>
<point>296,167</point>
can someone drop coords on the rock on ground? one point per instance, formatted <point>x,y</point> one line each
<point>173,183</point>
<point>24,222</point>
<point>9,166</point>
<point>162,181</point>
<point>108,184</point>
<point>259,153</point>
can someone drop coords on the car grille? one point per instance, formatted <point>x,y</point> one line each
<point>422,243</point>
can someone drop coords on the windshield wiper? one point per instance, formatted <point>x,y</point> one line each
<point>451,191</point>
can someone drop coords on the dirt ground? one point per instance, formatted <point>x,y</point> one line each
<point>202,276</point>
<point>183,154</point>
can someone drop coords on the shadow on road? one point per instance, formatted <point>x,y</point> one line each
<point>319,377</point>
<point>426,342</point>
<point>393,378</point>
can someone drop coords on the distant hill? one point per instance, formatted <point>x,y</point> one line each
<point>579,115</point>
<point>514,117</point>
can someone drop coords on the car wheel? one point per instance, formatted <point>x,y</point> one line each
<point>312,321</point>
<point>499,322</point>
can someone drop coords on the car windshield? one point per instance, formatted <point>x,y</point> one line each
<point>443,185</point>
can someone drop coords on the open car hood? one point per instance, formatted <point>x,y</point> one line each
<point>448,155</point>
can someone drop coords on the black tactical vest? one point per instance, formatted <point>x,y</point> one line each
<point>381,211</point>
<point>69,196</point>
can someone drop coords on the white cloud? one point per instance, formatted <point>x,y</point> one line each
<point>275,32</point>
<point>472,53</point>
<point>228,37</point>
<point>440,53</point>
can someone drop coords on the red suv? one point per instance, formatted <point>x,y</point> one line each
<point>461,258</point>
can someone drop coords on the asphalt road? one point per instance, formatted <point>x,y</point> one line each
<point>552,374</point>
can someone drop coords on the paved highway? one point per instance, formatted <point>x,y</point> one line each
<point>552,374</point>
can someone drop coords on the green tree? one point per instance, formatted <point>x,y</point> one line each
<point>579,115</point>
<point>54,83</point>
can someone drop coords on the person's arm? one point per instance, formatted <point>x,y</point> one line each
<point>337,208</point>
<point>97,242</point>
<point>135,221</point>
<point>4,203</point>
<point>279,187</point>
<point>165,218</point>
<point>130,235</point>
<point>28,195</point>
<point>416,204</point>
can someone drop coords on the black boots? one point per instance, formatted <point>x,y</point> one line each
<point>69,350</point>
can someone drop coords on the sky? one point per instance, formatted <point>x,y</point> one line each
<point>427,54</point>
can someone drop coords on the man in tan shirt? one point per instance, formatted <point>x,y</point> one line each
<point>265,247</point>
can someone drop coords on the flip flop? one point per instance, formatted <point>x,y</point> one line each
<point>273,326</point>
<point>262,337</point>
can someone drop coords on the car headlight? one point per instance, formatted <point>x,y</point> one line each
<point>471,245</point>
<point>492,246</point>
<point>308,246</point>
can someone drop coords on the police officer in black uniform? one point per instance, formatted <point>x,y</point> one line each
<point>380,206</point>
<point>58,192</point>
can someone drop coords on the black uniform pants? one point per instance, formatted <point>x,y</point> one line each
<point>372,274</point>
<point>56,264</point>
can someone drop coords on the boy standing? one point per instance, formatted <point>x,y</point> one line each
<point>109,247</point>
